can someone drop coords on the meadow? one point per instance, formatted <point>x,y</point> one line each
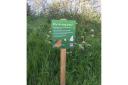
<point>83,65</point>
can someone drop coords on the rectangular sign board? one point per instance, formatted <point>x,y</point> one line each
<point>63,33</point>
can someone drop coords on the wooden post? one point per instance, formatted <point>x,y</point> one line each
<point>62,66</point>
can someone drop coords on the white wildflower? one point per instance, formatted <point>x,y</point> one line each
<point>82,36</point>
<point>92,30</point>
<point>89,45</point>
<point>83,42</point>
<point>65,40</point>
<point>49,31</point>
<point>81,47</point>
<point>67,52</point>
<point>48,36</point>
<point>70,51</point>
<point>92,35</point>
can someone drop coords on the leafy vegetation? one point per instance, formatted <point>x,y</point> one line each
<point>83,65</point>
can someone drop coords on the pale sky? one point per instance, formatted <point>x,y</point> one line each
<point>49,1</point>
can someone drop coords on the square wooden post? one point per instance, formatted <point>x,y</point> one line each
<point>62,66</point>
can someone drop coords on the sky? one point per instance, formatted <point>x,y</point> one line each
<point>49,1</point>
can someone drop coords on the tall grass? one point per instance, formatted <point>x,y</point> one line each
<point>83,65</point>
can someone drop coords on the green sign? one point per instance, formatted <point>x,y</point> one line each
<point>63,33</point>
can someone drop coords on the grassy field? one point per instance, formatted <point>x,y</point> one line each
<point>83,61</point>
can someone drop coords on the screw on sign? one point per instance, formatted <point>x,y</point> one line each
<point>63,36</point>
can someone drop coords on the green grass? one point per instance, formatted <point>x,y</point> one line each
<point>83,65</point>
